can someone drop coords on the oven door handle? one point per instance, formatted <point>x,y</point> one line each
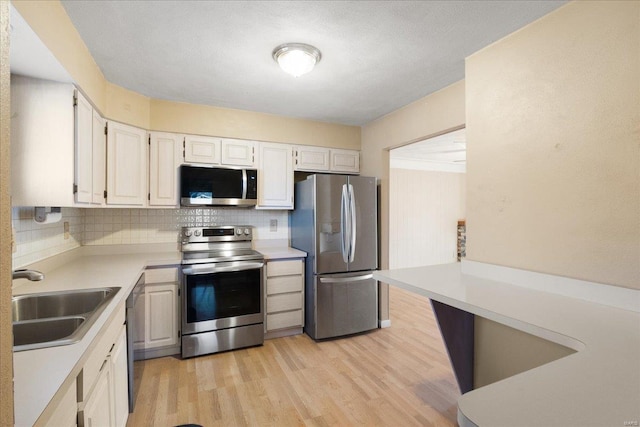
<point>221,267</point>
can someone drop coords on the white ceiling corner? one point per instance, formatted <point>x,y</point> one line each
<point>377,56</point>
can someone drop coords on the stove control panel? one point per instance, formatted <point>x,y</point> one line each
<point>225,233</point>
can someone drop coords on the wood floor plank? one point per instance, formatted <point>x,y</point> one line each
<point>387,377</point>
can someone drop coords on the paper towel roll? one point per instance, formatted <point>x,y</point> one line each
<point>47,215</point>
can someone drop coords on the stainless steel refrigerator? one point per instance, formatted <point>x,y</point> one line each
<point>335,222</point>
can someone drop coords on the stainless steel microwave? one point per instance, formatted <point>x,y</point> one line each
<point>207,186</point>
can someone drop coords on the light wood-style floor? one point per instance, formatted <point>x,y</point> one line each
<point>398,376</point>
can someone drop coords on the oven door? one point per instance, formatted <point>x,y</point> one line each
<point>221,295</point>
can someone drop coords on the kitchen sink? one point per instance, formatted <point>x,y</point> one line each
<point>44,331</point>
<point>51,319</point>
<point>59,304</point>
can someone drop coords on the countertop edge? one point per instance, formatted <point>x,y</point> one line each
<point>63,362</point>
<point>528,398</point>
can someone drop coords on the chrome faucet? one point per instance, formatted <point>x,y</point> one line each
<point>32,275</point>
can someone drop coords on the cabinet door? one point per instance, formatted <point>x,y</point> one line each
<point>201,149</point>
<point>165,150</point>
<point>42,128</point>
<point>126,165</point>
<point>347,161</point>
<point>161,326</point>
<point>99,158</point>
<point>83,149</point>
<point>236,152</point>
<point>119,373</point>
<point>313,159</point>
<point>98,410</point>
<point>275,176</point>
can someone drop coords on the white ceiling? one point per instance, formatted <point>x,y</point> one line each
<point>447,152</point>
<point>377,56</point>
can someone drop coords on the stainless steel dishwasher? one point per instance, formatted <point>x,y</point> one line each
<point>137,291</point>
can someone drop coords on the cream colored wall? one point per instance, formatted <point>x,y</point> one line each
<point>206,120</point>
<point>438,113</point>
<point>6,334</point>
<point>424,209</point>
<point>50,22</point>
<point>553,151</point>
<point>126,106</point>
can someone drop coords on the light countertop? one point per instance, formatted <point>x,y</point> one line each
<point>596,386</point>
<point>38,374</point>
<point>277,249</point>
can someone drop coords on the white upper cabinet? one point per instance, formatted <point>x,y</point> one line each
<point>90,149</point>
<point>346,161</point>
<point>311,159</point>
<point>99,138</point>
<point>202,149</point>
<point>331,160</point>
<point>237,152</point>
<point>84,149</point>
<point>275,176</point>
<point>165,156</point>
<point>126,165</point>
<point>42,147</point>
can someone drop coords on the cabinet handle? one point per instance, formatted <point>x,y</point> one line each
<point>103,363</point>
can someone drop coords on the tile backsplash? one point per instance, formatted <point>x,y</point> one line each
<point>34,241</point>
<point>116,226</point>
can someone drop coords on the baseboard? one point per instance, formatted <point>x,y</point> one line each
<point>385,323</point>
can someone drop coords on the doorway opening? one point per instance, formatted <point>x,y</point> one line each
<point>427,190</point>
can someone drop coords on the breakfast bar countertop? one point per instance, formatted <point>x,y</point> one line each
<point>596,386</point>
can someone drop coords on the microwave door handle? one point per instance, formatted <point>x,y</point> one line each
<point>244,184</point>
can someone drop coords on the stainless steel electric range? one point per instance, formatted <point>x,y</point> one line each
<point>221,290</point>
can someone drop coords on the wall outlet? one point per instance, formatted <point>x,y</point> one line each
<point>273,225</point>
<point>66,230</point>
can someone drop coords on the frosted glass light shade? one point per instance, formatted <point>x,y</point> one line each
<point>296,58</point>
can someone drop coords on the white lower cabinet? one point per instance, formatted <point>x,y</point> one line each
<point>98,409</point>
<point>118,366</point>
<point>284,297</point>
<point>157,331</point>
<point>103,382</point>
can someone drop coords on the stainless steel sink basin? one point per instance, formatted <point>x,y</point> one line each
<point>56,318</point>
<point>58,304</point>
<point>43,331</point>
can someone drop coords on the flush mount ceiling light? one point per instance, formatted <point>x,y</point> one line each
<point>296,58</point>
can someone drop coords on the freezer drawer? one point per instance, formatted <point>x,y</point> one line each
<point>344,304</point>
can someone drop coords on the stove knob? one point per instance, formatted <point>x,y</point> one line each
<point>247,231</point>
<point>187,233</point>
<point>197,232</point>
<point>238,231</point>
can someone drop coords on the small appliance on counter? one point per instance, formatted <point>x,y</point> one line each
<point>335,222</point>
<point>221,290</point>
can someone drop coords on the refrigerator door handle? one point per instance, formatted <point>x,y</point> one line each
<point>353,223</point>
<point>344,227</point>
<point>346,279</point>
